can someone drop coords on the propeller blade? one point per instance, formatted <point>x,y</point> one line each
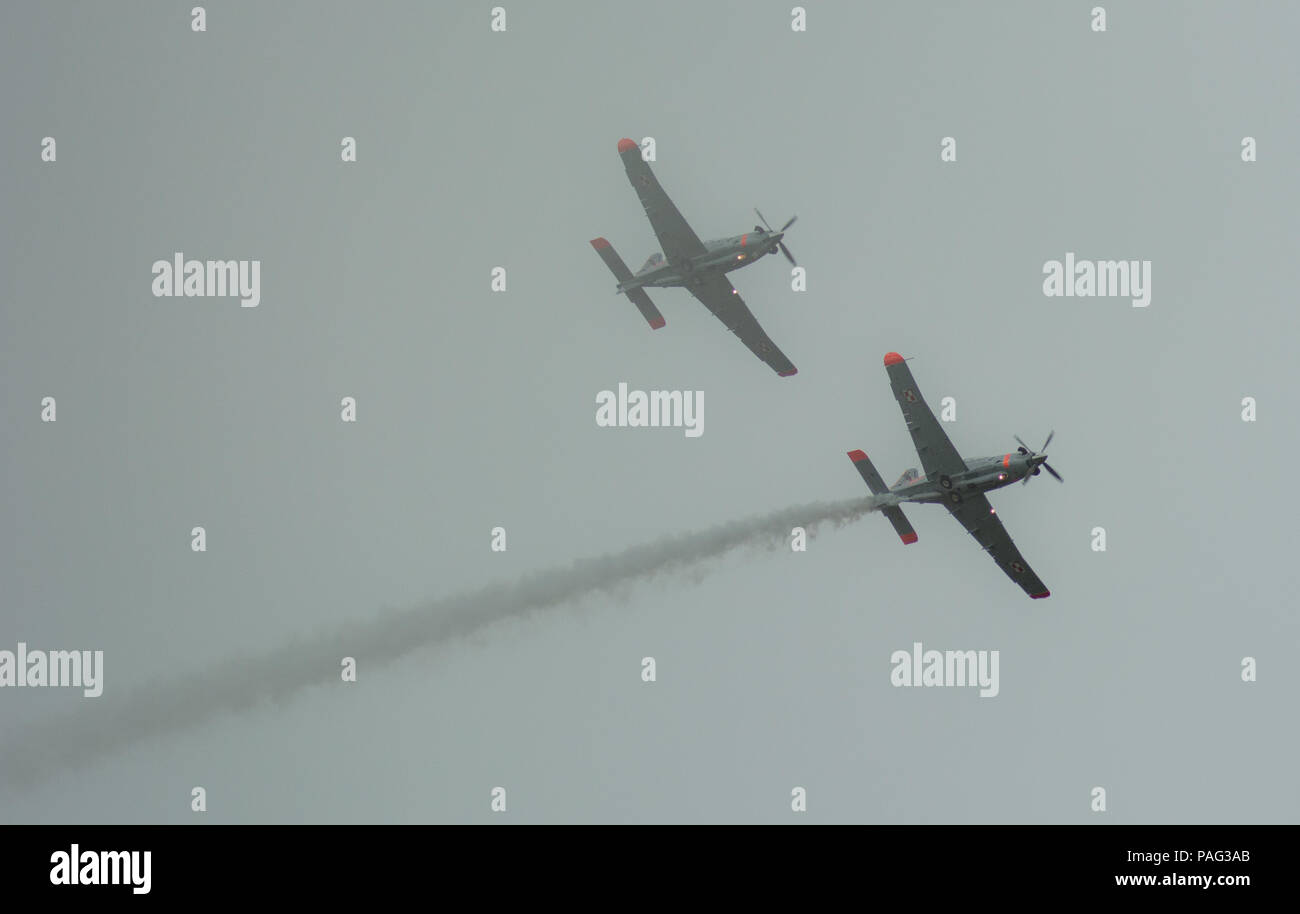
<point>1048,468</point>
<point>788,256</point>
<point>1022,444</point>
<point>1025,481</point>
<point>1050,435</point>
<point>790,223</point>
<point>762,219</point>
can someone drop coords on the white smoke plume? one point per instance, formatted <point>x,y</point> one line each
<point>114,721</point>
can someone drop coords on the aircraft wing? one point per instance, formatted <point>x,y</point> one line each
<point>976,515</point>
<point>938,456</point>
<point>718,295</point>
<point>676,237</point>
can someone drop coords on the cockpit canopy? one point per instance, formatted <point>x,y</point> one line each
<point>656,260</point>
<point>909,477</point>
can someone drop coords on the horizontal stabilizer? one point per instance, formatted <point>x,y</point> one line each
<point>623,274</point>
<point>646,307</point>
<point>612,260</point>
<point>901,525</point>
<point>871,476</point>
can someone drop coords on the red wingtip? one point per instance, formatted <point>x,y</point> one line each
<point>857,456</point>
<point>657,323</point>
<point>892,358</point>
<point>625,144</point>
<point>908,539</point>
<point>786,374</point>
<point>599,243</point>
<point>1039,596</point>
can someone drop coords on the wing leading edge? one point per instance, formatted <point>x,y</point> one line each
<point>676,237</point>
<point>717,294</point>
<point>976,515</point>
<point>938,456</point>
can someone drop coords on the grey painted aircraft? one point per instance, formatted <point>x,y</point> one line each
<point>698,266</point>
<point>956,483</point>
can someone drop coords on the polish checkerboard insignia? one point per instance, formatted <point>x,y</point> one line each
<point>1017,568</point>
<point>909,395</point>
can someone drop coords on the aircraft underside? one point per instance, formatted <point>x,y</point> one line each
<point>958,484</point>
<point>686,261</point>
<point>673,277</point>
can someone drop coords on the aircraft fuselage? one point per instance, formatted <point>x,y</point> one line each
<point>722,256</point>
<point>982,474</point>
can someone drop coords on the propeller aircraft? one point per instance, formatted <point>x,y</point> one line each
<point>958,484</point>
<point>698,266</point>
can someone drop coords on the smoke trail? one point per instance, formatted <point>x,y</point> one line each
<point>111,723</point>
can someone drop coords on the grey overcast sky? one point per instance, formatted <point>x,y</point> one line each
<point>479,149</point>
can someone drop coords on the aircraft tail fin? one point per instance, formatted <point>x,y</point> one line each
<point>871,476</point>
<point>623,274</point>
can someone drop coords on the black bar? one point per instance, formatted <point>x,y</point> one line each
<point>335,863</point>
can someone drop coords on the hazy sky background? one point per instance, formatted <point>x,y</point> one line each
<point>478,149</point>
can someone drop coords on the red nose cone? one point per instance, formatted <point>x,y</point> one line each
<point>624,145</point>
<point>892,358</point>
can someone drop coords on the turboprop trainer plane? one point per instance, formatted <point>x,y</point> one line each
<point>699,266</point>
<point>959,484</point>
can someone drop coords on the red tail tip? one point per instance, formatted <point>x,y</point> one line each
<point>857,456</point>
<point>786,374</point>
<point>892,358</point>
<point>599,243</point>
<point>1039,596</point>
<point>908,539</point>
<point>657,323</point>
<point>625,144</point>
